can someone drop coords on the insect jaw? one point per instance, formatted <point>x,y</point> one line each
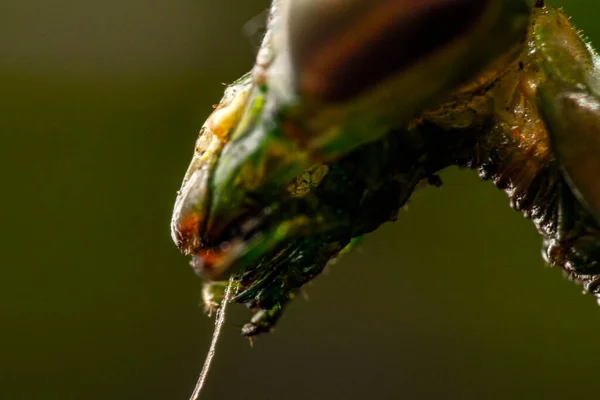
<point>190,212</point>
<point>212,263</point>
<point>192,206</point>
<point>216,219</point>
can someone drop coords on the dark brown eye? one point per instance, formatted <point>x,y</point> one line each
<point>339,48</point>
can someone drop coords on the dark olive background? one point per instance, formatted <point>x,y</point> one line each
<point>99,108</point>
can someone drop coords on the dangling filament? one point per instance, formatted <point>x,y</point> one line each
<point>219,322</point>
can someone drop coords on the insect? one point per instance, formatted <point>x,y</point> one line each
<point>342,118</point>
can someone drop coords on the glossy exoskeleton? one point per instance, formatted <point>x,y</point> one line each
<point>353,104</point>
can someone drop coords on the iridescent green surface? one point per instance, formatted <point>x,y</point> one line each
<point>101,104</point>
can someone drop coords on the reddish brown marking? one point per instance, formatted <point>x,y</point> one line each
<point>210,257</point>
<point>207,263</point>
<point>187,231</point>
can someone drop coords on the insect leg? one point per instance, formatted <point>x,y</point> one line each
<point>573,120</point>
<point>575,243</point>
<point>263,321</point>
<point>569,103</point>
<point>570,107</point>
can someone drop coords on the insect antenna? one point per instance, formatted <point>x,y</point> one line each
<point>255,29</point>
<point>219,322</point>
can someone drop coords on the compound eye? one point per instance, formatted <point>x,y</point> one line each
<point>339,48</point>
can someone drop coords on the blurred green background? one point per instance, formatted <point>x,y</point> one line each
<point>99,109</point>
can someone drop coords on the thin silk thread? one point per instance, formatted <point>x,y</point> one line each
<point>219,322</point>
